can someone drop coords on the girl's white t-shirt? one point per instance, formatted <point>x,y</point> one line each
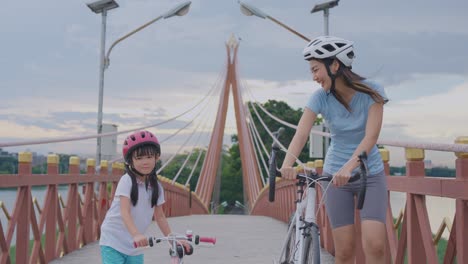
<point>114,233</point>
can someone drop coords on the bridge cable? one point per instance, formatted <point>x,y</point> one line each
<point>180,148</point>
<point>254,182</point>
<point>190,154</point>
<point>205,120</point>
<point>457,147</point>
<point>260,143</point>
<point>67,139</point>
<point>258,153</point>
<point>209,95</point>
<point>257,139</point>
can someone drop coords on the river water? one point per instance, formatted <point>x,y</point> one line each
<point>8,197</point>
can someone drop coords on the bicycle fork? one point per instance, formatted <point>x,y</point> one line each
<point>306,223</point>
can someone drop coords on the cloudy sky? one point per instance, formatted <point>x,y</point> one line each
<point>50,61</point>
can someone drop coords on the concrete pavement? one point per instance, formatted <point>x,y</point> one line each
<point>239,239</point>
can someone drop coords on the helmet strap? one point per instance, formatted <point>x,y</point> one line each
<point>135,170</point>
<point>333,78</point>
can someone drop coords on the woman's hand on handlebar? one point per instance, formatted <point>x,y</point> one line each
<point>342,177</point>
<point>288,173</point>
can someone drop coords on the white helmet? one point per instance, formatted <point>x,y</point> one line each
<point>330,47</point>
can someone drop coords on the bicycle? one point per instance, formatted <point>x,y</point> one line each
<point>177,250</point>
<point>301,248</point>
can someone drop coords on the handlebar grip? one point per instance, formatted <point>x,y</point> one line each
<point>355,177</point>
<point>150,242</point>
<point>211,240</point>
<point>272,170</point>
<point>364,171</point>
<point>272,181</point>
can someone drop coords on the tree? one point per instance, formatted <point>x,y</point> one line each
<point>231,177</point>
<point>283,111</point>
<point>8,165</point>
<point>170,171</point>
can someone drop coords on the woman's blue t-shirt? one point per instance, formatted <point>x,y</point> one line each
<point>347,129</point>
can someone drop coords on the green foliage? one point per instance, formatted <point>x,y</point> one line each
<point>8,165</point>
<point>171,170</point>
<point>441,246</point>
<point>434,172</point>
<point>397,171</point>
<point>231,177</point>
<point>441,172</point>
<point>284,112</point>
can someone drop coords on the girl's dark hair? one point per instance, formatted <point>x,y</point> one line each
<point>152,179</point>
<point>354,81</point>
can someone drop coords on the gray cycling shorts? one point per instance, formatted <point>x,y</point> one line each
<point>340,202</point>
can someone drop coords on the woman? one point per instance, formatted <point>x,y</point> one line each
<point>353,109</point>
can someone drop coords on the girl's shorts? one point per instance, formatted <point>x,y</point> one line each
<point>340,202</point>
<point>112,256</point>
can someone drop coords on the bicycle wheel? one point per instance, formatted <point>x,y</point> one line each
<point>291,246</point>
<point>311,247</point>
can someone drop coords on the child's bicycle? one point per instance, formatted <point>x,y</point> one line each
<point>177,251</point>
<point>302,244</point>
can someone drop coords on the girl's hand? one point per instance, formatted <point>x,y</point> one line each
<point>288,173</point>
<point>342,177</point>
<point>140,240</point>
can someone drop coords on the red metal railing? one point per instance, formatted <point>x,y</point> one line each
<point>416,238</point>
<point>78,223</point>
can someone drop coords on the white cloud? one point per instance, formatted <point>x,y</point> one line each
<point>51,68</point>
<point>438,118</point>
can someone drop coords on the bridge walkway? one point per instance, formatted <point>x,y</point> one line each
<point>240,239</point>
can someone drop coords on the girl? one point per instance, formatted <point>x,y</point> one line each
<point>138,197</point>
<point>353,109</point>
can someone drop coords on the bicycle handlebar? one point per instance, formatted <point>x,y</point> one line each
<point>273,173</point>
<point>317,177</point>
<point>197,239</point>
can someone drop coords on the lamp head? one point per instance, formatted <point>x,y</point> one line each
<point>249,10</point>
<point>323,6</point>
<point>179,10</point>
<point>102,5</point>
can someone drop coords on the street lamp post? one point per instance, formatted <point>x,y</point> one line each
<point>325,7</point>
<point>250,10</point>
<point>239,204</point>
<point>102,6</point>
<point>215,208</point>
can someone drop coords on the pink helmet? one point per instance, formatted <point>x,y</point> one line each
<point>136,139</point>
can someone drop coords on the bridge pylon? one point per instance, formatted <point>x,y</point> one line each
<point>252,183</point>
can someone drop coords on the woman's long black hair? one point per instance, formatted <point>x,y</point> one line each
<point>352,80</point>
<point>151,180</point>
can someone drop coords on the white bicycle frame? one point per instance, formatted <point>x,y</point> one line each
<point>307,206</point>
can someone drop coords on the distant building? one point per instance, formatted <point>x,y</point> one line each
<point>38,159</point>
<point>109,143</point>
<point>4,153</point>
